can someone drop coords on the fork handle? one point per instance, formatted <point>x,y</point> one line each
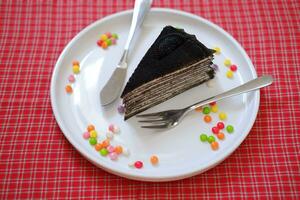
<point>255,84</point>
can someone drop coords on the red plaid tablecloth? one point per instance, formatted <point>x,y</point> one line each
<point>36,160</point>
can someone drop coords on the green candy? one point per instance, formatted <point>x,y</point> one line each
<point>114,35</point>
<point>211,139</point>
<point>203,137</point>
<point>93,141</point>
<point>206,110</point>
<point>229,129</point>
<point>108,41</point>
<point>103,152</point>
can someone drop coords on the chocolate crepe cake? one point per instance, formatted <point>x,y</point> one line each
<point>175,62</point>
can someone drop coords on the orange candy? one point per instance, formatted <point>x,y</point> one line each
<point>98,146</point>
<point>221,136</point>
<point>90,128</point>
<point>154,160</point>
<point>104,45</point>
<point>214,146</point>
<point>75,62</point>
<point>207,118</point>
<point>118,149</point>
<point>105,143</point>
<point>69,89</point>
<point>199,109</point>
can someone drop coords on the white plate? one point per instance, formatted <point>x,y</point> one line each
<point>180,151</point>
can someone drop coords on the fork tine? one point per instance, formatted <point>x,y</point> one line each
<point>163,126</point>
<point>152,121</point>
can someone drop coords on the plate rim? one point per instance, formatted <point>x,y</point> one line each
<point>140,177</point>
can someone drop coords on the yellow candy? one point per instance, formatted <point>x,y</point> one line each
<point>227,62</point>
<point>218,50</point>
<point>93,134</point>
<point>76,69</point>
<point>214,108</point>
<point>103,37</point>
<point>222,116</point>
<point>229,74</point>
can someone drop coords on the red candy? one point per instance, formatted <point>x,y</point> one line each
<point>233,68</point>
<point>215,130</point>
<point>212,103</point>
<point>220,125</point>
<point>138,164</point>
<point>99,42</point>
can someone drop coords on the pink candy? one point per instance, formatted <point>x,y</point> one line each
<point>110,149</point>
<point>113,156</point>
<point>86,135</point>
<point>113,41</point>
<point>113,128</point>
<point>71,78</point>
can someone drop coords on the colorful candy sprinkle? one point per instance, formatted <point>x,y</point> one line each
<point>215,67</point>
<point>121,109</point>
<point>113,128</point>
<point>207,118</point>
<point>113,156</point>
<point>114,35</point>
<point>154,160</point>
<point>109,134</point>
<point>138,164</point>
<point>105,143</point>
<point>93,134</point>
<point>126,151</point>
<point>220,125</point>
<point>69,89</point>
<point>110,148</point>
<point>222,116</point>
<point>218,50</point>
<point>214,108</point>
<point>90,128</point>
<point>229,74</point>
<point>229,129</point>
<point>75,62</point>
<point>71,78</point>
<point>93,141</point>
<point>86,135</point>
<point>220,136</point>
<point>203,137</point>
<point>227,62</point>
<point>211,139</point>
<point>118,149</point>
<point>214,145</point>
<point>215,130</point>
<point>206,110</point>
<point>76,69</point>
<point>103,37</point>
<point>107,40</point>
<point>233,68</point>
<point>212,103</point>
<point>98,146</point>
<point>198,109</point>
<point>103,152</point>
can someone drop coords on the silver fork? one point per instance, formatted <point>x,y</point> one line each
<point>171,118</point>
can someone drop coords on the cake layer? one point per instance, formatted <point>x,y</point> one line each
<point>160,92</point>
<point>166,78</point>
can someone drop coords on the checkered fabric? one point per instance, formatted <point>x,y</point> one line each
<point>36,160</point>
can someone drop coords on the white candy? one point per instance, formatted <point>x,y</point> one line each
<point>116,129</point>
<point>125,151</point>
<point>109,135</point>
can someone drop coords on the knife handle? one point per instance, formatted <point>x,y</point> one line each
<point>141,8</point>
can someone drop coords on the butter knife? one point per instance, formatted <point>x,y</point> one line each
<point>112,88</point>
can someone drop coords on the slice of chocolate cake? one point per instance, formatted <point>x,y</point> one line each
<point>175,62</point>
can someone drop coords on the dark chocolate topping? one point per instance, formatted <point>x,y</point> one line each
<point>172,50</point>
